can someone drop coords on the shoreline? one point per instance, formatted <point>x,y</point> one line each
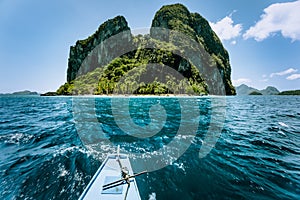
<point>130,95</point>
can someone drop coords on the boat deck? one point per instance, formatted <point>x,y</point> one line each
<point>108,172</point>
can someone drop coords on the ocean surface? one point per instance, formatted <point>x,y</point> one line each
<point>52,146</point>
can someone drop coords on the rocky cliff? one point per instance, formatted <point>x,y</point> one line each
<point>107,61</point>
<point>177,17</point>
<point>102,55</point>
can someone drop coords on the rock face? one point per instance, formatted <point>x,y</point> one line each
<point>177,17</point>
<point>104,53</point>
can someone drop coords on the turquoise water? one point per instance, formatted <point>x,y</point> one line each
<point>257,155</point>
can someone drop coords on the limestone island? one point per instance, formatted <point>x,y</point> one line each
<point>114,61</point>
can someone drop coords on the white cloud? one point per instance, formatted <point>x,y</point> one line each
<point>278,17</point>
<point>285,72</point>
<point>233,42</point>
<point>241,81</point>
<point>226,29</point>
<point>293,77</point>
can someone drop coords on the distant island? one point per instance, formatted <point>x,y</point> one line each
<point>246,90</point>
<point>20,93</point>
<point>270,90</point>
<point>102,71</point>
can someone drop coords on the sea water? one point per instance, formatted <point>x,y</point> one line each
<point>52,146</point>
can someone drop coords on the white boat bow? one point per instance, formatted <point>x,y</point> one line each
<point>114,180</point>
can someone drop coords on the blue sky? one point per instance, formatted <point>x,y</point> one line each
<point>261,36</point>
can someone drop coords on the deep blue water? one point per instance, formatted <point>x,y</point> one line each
<point>51,147</point>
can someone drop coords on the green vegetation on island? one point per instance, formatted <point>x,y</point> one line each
<point>96,67</point>
<point>49,94</point>
<point>255,93</point>
<point>133,69</point>
<point>290,92</point>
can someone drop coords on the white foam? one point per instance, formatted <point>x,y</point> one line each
<point>17,138</point>
<point>282,133</point>
<point>152,196</point>
<point>282,124</point>
<point>62,170</point>
<point>64,150</point>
